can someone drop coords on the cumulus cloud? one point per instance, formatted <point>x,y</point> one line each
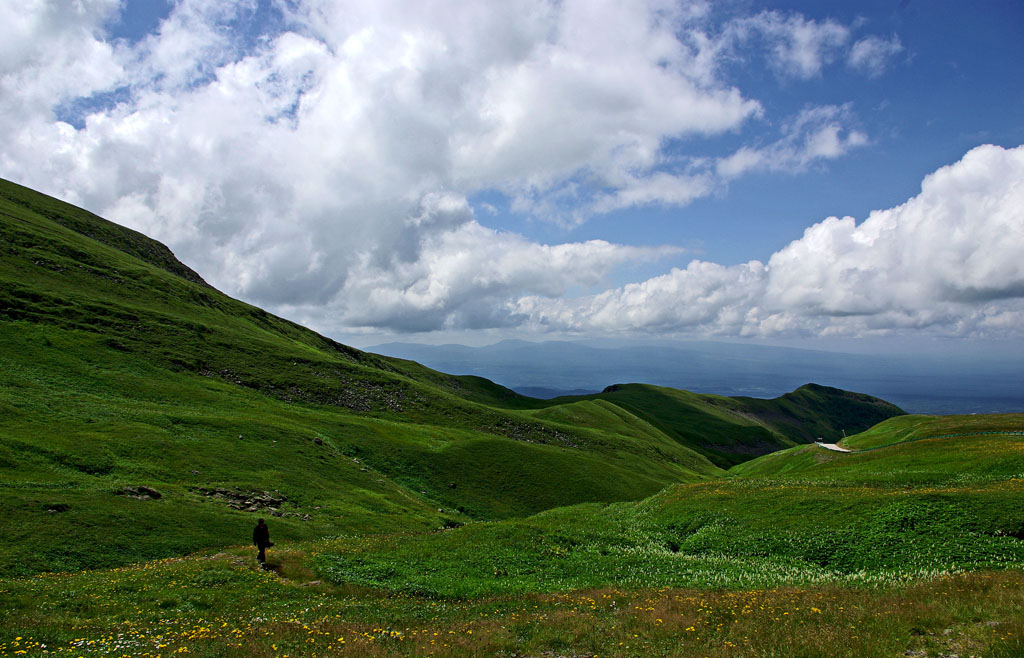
<point>320,164</point>
<point>816,134</point>
<point>947,261</point>
<point>799,47</point>
<point>325,165</point>
<point>872,54</point>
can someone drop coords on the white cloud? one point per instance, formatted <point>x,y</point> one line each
<point>657,187</point>
<point>816,134</point>
<point>946,261</point>
<point>702,296</point>
<point>871,54</point>
<point>799,47</point>
<point>287,166</point>
<point>463,277</point>
<point>322,169</point>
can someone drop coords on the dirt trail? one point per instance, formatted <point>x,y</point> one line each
<point>832,446</point>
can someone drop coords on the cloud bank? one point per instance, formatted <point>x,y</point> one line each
<point>947,261</point>
<point>318,158</point>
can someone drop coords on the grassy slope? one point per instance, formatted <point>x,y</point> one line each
<point>767,563</point>
<point>121,371</point>
<point>916,428</point>
<point>732,430</point>
<point>118,371</point>
<point>924,449</point>
<point>802,516</point>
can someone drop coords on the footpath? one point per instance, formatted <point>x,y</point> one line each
<point>837,448</point>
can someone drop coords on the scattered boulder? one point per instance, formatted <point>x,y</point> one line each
<point>248,501</point>
<point>139,492</point>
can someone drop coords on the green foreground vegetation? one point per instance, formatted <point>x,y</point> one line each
<point>146,420</point>
<point>213,605</point>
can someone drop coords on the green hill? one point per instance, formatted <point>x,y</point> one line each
<point>732,430</point>
<point>145,415</point>
<point>801,516</point>
<point>940,450</point>
<point>123,369</point>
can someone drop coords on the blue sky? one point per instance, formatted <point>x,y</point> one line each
<point>953,87</point>
<point>815,173</point>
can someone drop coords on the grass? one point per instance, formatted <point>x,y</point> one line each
<point>417,513</point>
<point>942,450</point>
<point>735,534</point>
<point>729,431</point>
<point>218,605</point>
<point>123,369</point>
<point>916,428</point>
<point>752,566</point>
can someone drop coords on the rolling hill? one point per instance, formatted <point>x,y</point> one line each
<point>144,414</point>
<point>916,507</point>
<point>146,419</point>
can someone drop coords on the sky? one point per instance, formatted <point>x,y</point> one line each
<point>826,174</point>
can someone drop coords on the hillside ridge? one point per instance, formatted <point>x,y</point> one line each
<point>122,374</point>
<point>97,228</point>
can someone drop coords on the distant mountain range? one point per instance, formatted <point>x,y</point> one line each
<point>918,384</point>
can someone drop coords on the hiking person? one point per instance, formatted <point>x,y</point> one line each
<point>261,539</point>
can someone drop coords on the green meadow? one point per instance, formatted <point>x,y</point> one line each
<point>147,420</point>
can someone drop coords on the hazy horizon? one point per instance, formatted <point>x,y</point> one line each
<point>920,384</point>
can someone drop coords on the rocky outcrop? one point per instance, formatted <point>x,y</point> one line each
<point>269,502</point>
<point>139,492</point>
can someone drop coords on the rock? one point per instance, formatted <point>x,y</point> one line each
<point>318,441</point>
<point>140,493</point>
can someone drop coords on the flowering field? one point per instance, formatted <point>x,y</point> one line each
<point>220,605</point>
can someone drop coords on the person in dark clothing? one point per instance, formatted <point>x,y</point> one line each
<point>261,538</point>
